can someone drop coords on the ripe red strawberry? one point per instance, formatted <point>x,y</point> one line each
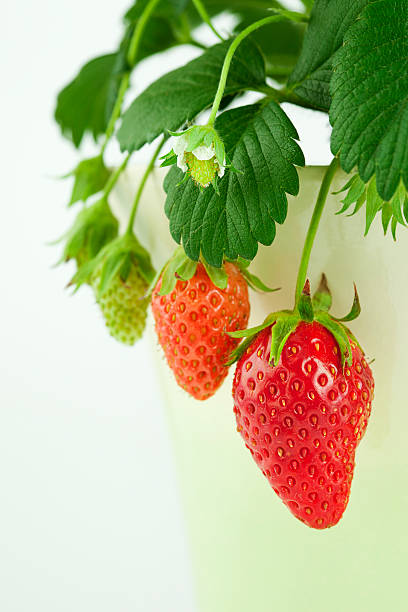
<point>191,325</point>
<point>303,419</point>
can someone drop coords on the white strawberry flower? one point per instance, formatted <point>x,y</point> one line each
<point>199,152</point>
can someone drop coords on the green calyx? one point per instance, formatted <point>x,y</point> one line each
<point>308,309</point>
<point>181,267</point>
<point>93,228</point>
<point>90,177</point>
<point>115,260</point>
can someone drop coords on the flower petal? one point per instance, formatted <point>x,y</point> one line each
<point>179,144</point>
<point>204,153</point>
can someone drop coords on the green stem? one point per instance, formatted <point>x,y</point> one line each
<point>113,179</point>
<point>132,56</point>
<point>139,192</point>
<point>279,16</point>
<point>284,95</point>
<point>124,84</point>
<point>314,224</point>
<point>138,33</point>
<point>201,10</point>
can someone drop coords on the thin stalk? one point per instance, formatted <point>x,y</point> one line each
<point>113,179</point>
<point>201,10</point>
<point>124,84</point>
<point>142,183</point>
<point>132,56</point>
<point>278,16</point>
<point>284,95</point>
<point>138,33</point>
<point>314,224</point>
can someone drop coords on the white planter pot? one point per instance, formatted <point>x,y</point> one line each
<point>248,552</point>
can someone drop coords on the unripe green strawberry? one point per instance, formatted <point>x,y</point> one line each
<point>124,305</point>
<point>202,171</point>
<point>120,275</point>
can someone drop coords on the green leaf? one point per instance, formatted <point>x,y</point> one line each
<point>259,142</point>
<point>373,205</point>
<point>91,176</point>
<point>360,193</point>
<point>369,112</point>
<point>179,96</point>
<point>329,21</point>
<point>386,216</point>
<point>356,189</point>
<point>86,103</point>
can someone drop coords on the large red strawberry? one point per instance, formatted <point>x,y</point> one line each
<point>303,415</point>
<point>192,320</point>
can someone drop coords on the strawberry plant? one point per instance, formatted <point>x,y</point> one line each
<point>303,388</point>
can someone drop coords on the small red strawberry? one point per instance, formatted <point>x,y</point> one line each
<point>191,324</point>
<point>303,418</point>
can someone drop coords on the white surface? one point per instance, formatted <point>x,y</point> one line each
<point>90,518</point>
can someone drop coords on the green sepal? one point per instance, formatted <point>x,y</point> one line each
<point>252,280</point>
<point>237,353</point>
<point>93,228</point>
<point>283,328</point>
<point>304,305</point>
<point>322,299</point>
<point>255,282</point>
<point>249,334</point>
<point>116,258</point>
<point>169,159</point>
<point>340,335</point>
<point>90,177</point>
<point>253,331</point>
<point>179,266</point>
<point>217,275</point>
<point>355,309</point>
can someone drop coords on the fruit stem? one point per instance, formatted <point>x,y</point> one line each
<point>278,16</point>
<point>114,177</point>
<point>142,183</point>
<point>201,10</point>
<point>314,224</point>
